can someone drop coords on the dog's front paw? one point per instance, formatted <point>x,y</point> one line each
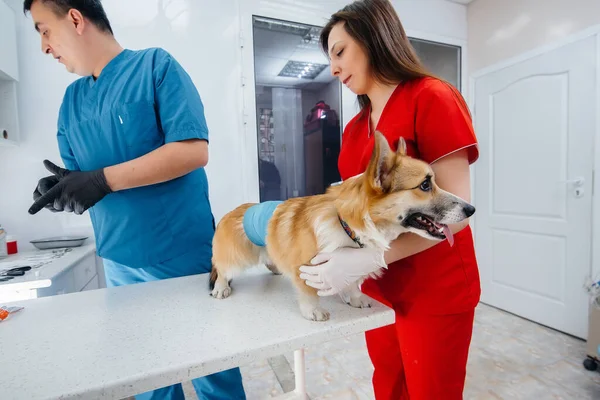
<point>316,314</point>
<point>360,302</point>
<point>221,292</point>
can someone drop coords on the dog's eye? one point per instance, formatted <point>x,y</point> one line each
<point>426,185</point>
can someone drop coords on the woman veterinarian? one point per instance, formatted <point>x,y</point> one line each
<point>432,286</point>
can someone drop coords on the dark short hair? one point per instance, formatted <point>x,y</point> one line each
<point>90,9</point>
<point>375,25</point>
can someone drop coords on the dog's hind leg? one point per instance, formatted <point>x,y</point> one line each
<point>273,268</point>
<point>228,265</point>
<point>266,260</point>
<point>232,252</point>
<point>219,284</point>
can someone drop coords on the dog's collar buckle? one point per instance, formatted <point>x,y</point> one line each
<point>351,232</point>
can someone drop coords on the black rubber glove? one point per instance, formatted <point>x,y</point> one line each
<point>42,187</point>
<point>75,191</point>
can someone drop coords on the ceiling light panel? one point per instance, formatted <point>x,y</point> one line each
<point>302,69</point>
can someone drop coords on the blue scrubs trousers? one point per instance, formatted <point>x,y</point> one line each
<point>225,385</point>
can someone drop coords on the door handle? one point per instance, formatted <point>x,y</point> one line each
<point>577,182</point>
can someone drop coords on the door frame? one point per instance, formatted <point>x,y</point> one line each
<point>594,267</point>
<point>247,10</point>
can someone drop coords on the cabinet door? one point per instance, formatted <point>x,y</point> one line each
<point>93,284</point>
<point>84,271</point>
<point>62,284</point>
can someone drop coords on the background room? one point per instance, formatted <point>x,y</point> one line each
<point>299,105</point>
<point>529,71</point>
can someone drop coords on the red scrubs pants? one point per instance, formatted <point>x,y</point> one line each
<point>421,357</point>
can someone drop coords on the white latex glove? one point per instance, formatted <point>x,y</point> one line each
<point>340,268</point>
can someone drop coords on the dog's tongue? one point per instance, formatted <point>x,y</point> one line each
<point>448,234</point>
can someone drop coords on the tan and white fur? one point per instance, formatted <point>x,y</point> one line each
<point>396,194</point>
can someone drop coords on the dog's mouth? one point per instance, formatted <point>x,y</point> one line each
<point>425,223</point>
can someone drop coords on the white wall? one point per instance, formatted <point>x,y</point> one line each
<point>42,82</point>
<point>205,37</point>
<point>498,30</point>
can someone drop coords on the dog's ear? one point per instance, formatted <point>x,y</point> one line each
<point>381,163</point>
<point>401,149</point>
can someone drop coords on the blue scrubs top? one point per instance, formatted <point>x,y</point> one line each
<point>141,100</point>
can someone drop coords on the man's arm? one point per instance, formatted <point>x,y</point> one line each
<point>181,114</point>
<point>168,162</point>
<point>182,119</point>
<point>66,153</point>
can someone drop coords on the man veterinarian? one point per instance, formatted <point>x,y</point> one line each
<point>133,137</point>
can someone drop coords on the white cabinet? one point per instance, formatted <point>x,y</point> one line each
<point>9,68</point>
<point>78,271</point>
<point>81,276</point>
<point>9,76</point>
<point>9,117</point>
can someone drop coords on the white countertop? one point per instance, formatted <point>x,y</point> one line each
<point>41,277</point>
<point>117,342</point>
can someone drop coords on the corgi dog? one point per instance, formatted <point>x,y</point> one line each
<point>396,194</point>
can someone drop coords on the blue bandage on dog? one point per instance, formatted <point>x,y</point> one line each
<point>256,220</point>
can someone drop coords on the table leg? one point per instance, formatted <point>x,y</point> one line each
<point>299,392</point>
<point>300,374</point>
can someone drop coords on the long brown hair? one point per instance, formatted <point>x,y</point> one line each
<point>375,25</point>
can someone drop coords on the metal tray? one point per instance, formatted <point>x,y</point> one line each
<point>58,242</point>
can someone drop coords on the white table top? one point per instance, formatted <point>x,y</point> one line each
<point>41,277</point>
<point>116,342</point>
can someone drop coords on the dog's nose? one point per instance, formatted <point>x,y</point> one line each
<point>468,210</point>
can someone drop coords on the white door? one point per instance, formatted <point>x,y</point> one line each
<point>535,121</point>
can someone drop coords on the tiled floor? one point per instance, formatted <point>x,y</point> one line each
<point>510,358</point>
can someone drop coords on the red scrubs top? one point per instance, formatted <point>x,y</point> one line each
<point>434,120</point>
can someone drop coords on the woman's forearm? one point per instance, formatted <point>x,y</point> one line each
<point>452,175</point>
<point>410,243</point>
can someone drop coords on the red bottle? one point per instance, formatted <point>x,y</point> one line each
<point>11,245</point>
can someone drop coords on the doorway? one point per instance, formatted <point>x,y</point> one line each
<point>536,120</point>
<point>298,106</point>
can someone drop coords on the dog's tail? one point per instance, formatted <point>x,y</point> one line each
<point>214,274</point>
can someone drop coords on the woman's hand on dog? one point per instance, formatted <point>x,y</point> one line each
<point>331,273</point>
